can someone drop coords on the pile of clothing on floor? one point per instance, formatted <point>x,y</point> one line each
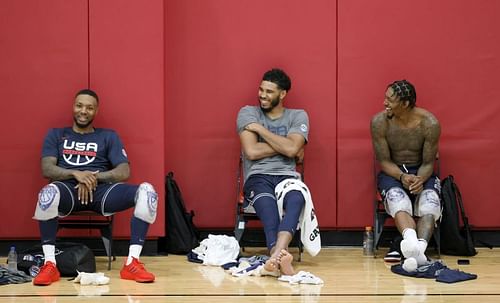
<point>13,277</point>
<point>435,270</point>
<point>222,250</point>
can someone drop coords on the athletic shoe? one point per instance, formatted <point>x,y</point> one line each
<point>136,271</point>
<point>48,274</point>
<point>392,257</point>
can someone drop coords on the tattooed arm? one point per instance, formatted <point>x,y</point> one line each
<point>381,147</point>
<point>432,131</point>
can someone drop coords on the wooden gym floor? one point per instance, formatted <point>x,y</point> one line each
<point>348,277</point>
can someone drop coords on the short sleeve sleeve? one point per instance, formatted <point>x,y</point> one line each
<point>246,115</point>
<point>116,150</point>
<point>300,124</point>
<point>50,147</point>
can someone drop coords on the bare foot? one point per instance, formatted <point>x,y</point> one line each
<point>285,262</point>
<point>271,268</point>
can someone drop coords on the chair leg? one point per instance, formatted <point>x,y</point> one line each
<point>107,240</point>
<point>379,227</point>
<point>239,229</point>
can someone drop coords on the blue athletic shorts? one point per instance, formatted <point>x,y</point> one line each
<point>108,198</point>
<point>386,182</point>
<point>261,185</point>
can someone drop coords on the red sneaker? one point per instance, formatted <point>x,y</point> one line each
<point>48,274</point>
<point>136,271</point>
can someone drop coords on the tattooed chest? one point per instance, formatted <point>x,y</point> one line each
<point>401,140</point>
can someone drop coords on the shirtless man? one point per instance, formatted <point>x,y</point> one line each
<point>405,140</point>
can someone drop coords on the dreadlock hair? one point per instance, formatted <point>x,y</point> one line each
<point>89,92</point>
<point>278,77</point>
<point>405,91</point>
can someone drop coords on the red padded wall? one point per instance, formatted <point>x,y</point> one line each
<point>449,50</point>
<point>180,116</point>
<point>43,59</point>
<point>216,53</point>
<point>126,69</point>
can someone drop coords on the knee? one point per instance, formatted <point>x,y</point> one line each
<point>265,203</point>
<point>146,203</point>
<point>294,197</point>
<point>429,204</point>
<point>47,206</point>
<point>396,201</point>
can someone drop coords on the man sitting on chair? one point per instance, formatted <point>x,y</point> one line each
<point>86,166</point>
<point>272,140</point>
<point>405,139</point>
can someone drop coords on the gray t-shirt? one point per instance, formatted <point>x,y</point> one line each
<point>292,121</point>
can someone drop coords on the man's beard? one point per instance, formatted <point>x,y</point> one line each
<point>82,126</point>
<point>274,103</point>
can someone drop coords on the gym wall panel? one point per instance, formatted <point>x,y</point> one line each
<point>43,59</point>
<point>173,74</point>
<point>126,70</point>
<point>216,53</point>
<point>449,50</point>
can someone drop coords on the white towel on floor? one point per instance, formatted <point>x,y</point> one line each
<point>302,277</point>
<point>85,278</point>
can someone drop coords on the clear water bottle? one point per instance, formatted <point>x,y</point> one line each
<point>12,259</point>
<point>368,241</point>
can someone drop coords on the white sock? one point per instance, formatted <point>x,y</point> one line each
<point>421,258</point>
<point>49,253</point>
<point>409,233</point>
<point>133,251</point>
<point>409,245</point>
<point>410,264</point>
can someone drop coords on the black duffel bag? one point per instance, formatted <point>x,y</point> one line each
<point>70,258</point>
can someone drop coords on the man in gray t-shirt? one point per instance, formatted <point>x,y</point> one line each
<point>272,140</point>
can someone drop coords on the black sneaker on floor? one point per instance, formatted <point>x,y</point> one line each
<point>392,257</point>
<point>394,254</point>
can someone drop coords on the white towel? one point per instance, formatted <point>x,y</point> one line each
<point>308,223</point>
<point>217,250</point>
<point>85,278</point>
<point>302,277</point>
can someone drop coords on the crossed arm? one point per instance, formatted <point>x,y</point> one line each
<point>291,146</point>
<point>87,180</point>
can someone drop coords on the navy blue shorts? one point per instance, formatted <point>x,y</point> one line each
<point>386,182</point>
<point>259,185</point>
<point>108,198</point>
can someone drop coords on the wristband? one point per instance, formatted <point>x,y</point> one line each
<point>401,177</point>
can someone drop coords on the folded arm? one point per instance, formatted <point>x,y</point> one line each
<point>290,146</point>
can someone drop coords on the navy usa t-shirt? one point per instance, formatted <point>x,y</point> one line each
<point>101,150</point>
